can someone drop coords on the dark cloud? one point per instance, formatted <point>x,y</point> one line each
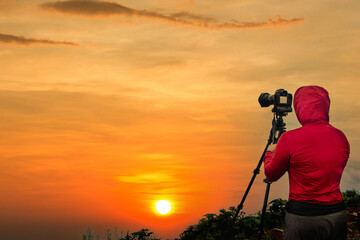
<point>90,8</point>
<point>13,39</point>
<point>101,8</point>
<point>191,16</point>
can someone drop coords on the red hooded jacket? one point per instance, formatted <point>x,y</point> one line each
<point>314,155</point>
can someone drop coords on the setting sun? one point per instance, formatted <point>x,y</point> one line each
<point>163,206</point>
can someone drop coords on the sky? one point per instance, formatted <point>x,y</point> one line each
<point>109,106</point>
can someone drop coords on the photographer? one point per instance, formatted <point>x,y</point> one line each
<point>314,156</point>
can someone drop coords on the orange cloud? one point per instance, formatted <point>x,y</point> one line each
<point>105,9</point>
<point>8,38</point>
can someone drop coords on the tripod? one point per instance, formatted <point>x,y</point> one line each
<point>278,128</point>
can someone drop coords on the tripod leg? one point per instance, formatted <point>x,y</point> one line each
<point>261,228</point>
<point>256,172</point>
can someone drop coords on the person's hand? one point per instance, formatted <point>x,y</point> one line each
<point>271,148</point>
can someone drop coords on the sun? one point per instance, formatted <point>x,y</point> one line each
<point>163,206</point>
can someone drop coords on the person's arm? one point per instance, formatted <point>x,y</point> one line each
<point>277,163</point>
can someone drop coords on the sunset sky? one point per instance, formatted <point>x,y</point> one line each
<point>109,106</point>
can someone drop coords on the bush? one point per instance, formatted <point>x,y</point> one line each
<point>351,198</point>
<point>221,226</point>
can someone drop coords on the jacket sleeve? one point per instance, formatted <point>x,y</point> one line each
<point>277,164</point>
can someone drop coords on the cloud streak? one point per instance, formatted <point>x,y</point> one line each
<point>21,40</point>
<point>95,8</point>
<point>156,177</point>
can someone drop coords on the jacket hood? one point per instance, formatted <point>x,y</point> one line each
<point>311,104</point>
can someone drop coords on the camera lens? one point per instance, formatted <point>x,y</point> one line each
<point>265,99</point>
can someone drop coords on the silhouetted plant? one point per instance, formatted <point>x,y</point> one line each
<point>275,214</point>
<point>214,227</point>
<point>351,198</point>
<point>88,233</point>
<point>143,234</point>
<point>108,235</point>
<point>116,234</point>
<point>220,227</point>
<point>127,237</point>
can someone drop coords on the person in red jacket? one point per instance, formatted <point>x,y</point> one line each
<point>314,156</point>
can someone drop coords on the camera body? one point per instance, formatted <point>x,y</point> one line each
<point>282,101</point>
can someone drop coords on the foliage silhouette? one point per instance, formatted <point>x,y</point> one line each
<point>351,198</point>
<point>220,227</point>
<point>143,234</point>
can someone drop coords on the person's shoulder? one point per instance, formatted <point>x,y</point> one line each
<point>337,131</point>
<point>294,132</point>
<point>296,135</point>
<point>291,134</point>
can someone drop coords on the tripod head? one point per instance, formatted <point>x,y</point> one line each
<point>278,128</point>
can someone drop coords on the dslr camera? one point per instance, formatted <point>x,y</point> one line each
<point>281,100</point>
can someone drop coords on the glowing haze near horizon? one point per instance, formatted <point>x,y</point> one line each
<point>107,107</point>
